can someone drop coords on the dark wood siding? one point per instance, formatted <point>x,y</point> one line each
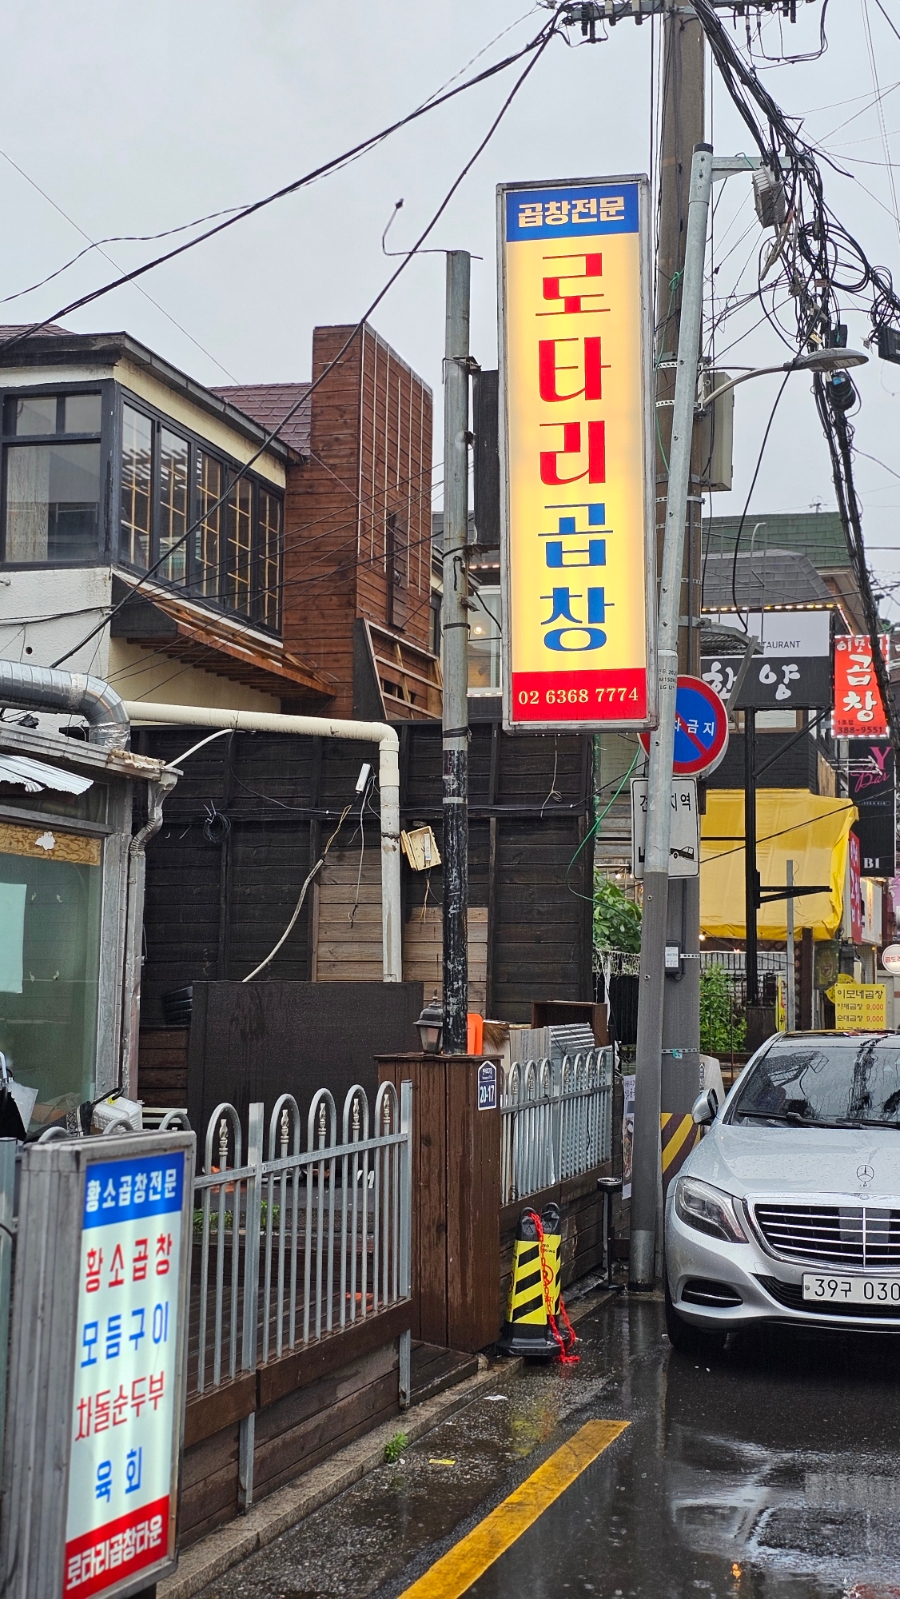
<point>221,892</point>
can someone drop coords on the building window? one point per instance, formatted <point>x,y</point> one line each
<point>174,477</point>
<point>239,548</point>
<point>484,643</point>
<point>269,563</point>
<point>208,533</point>
<point>137,461</point>
<point>51,495</point>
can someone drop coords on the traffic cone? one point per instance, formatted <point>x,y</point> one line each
<point>551,1226</point>
<point>526,1330</point>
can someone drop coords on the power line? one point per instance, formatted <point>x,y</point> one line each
<point>538,45</point>
<point>535,56</point>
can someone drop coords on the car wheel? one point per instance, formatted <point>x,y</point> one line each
<point>688,1339</point>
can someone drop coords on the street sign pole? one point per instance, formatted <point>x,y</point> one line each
<point>646,1192</point>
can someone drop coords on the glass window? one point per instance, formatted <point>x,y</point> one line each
<point>852,1080</point>
<point>240,545</point>
<point>52,502</point>
<point>134,536</point>
<point>484,642</point>
<point>208,536</point>
<point>173,495</point>
<point>81,413</point>
<point>50,966</point>
<point>29,414</point>
<point>269,565</point>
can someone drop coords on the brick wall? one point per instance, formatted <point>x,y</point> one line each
<point>358,513</point>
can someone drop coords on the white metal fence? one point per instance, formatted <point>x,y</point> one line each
<point>556,1120</point>
<point>302,1244</point>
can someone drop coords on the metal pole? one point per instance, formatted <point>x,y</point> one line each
<point>646,1191</point>
<point>751,876</point>
<point>455,629</point>
<point>790,1005</point>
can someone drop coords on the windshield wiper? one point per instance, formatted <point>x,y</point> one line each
<point>792,1117</point>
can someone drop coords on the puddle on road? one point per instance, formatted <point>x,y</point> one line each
<point>774,1474</point>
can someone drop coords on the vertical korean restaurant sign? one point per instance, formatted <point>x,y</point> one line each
<point>576,424</point>
<point>858,707</point>
<point>128,1391</point>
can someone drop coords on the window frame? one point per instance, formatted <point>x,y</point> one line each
<point>197,445</point>
<point>106,437</point>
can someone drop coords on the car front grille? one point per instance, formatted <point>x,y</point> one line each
<point>865,1236</point>
<point>791,1296</point>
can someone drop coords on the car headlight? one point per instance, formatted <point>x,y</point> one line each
<point>708,1209</point>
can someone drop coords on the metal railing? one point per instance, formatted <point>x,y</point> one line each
<point>556,1120</point>
<point>301,1245</point>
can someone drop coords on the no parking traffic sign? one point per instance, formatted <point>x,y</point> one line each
<point>701,728</point>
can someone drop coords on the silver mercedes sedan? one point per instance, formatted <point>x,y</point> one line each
<point>788,1210</point>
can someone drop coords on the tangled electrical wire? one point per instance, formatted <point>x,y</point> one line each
<point>817,260</point>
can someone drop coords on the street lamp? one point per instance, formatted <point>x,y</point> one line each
<point>431,1026</point>
<point>826,360</point>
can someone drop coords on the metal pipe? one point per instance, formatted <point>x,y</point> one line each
<point>46,688</point>
<point>134,928</point>
<point>455,628</point>
<point>646,1194</point>
<point>790,1001</point>
<point>321,727</point>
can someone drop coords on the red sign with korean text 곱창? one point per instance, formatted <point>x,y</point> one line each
<point>123,1466</point>
<point>858,706</point>
<point>576,420</point>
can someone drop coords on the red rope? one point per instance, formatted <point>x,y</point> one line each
<point>565,1346</point>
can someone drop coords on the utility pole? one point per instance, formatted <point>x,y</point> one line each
<point>646,1171</point>
<point>671,1078</point>
<point>455,629</point>
<point>683,128</point>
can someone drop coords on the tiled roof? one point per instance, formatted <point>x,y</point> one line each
<point>268,404</point>
<point>817,534</point>
<point>25,327</point>
<point>767,577</point>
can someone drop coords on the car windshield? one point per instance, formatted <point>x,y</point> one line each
<point>855,1081</point>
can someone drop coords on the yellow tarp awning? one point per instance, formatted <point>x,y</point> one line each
<point>791,824</point>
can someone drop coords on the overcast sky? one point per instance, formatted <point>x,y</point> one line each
<point>135,119</point>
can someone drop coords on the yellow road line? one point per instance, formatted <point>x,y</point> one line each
<point>462,1565</point>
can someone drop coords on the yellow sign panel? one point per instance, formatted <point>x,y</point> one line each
<point>859,1006</point>
<point>578,513</point>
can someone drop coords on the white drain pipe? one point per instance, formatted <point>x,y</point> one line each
<point>320,727</point>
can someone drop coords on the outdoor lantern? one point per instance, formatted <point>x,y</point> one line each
<point>431,1026</point>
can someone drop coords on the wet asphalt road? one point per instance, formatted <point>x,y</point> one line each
<point>773,1474</point>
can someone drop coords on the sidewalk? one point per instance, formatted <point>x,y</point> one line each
<point>265,1522</point>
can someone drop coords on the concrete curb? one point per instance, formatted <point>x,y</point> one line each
<point>265,1522</point>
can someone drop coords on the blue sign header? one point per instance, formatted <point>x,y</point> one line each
<point>129,1190</point>
<point>571,213</point>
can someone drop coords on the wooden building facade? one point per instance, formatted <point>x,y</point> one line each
<point>250,816</point>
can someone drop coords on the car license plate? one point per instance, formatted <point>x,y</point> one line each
<point>852,1290</point>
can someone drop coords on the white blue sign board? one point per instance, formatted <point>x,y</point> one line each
<point>487,1086</point>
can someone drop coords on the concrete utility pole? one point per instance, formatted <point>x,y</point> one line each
<point>670,1081</point>
<point>647,1176</point>
<point>683,128</point>
<point>455,628</point>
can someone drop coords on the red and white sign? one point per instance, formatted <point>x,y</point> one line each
<point>858,706</point>
<point>123,1471</point>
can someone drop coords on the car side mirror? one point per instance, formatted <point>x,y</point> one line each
<point>703,1110</point>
